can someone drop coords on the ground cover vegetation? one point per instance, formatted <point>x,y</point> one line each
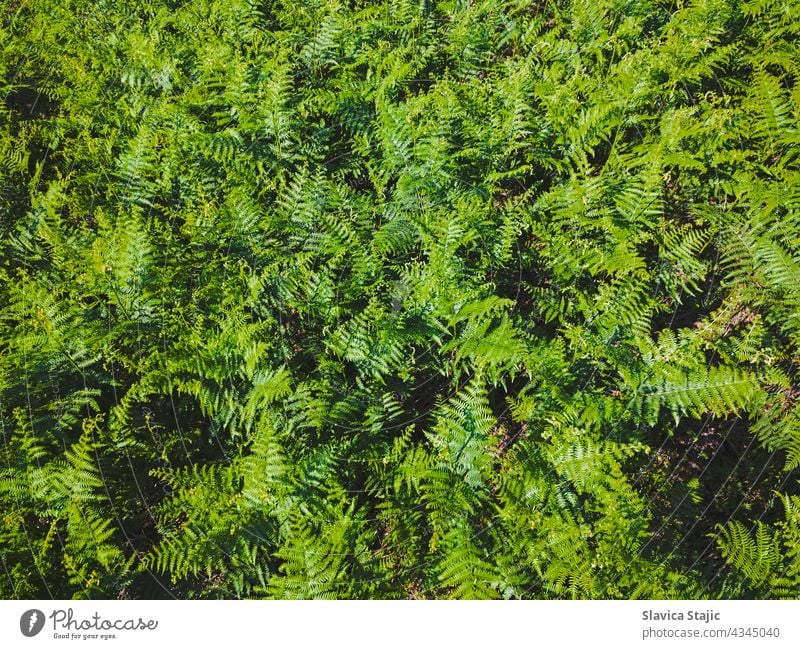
<point>465,299</point>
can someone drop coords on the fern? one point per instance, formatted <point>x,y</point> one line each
<point>399,299</point>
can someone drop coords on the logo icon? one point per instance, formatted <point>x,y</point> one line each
<point>31,622</point>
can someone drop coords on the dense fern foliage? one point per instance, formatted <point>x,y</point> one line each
<point>467,299</point>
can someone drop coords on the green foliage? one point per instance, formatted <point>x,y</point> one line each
<point>406,299</point>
